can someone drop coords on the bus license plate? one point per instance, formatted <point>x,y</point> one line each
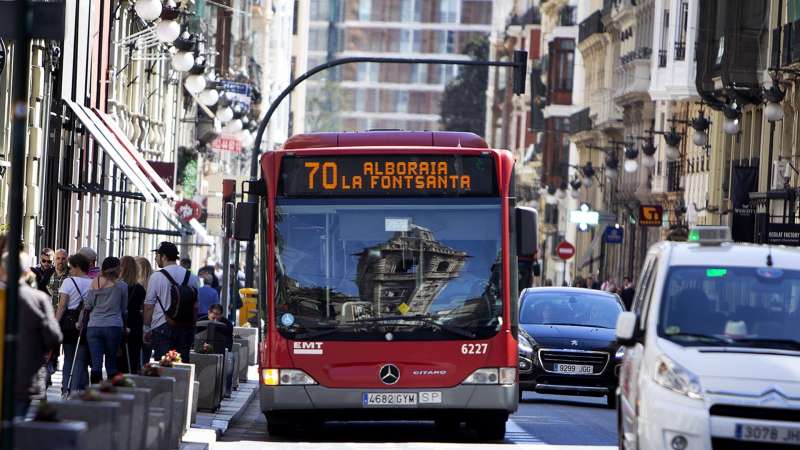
<point>389,398</point>
<point>767,433</point>
<point>574,368</point>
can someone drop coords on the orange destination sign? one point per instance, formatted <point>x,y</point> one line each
<point>376,175</point>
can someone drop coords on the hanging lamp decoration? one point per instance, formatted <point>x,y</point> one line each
<point>209,96</point>
<point>183,59</point>
<point>575,184</point>
<point>673,140</point>
<point>562,191</point>
<point>731,113</point>
<point>551,199</point>
<point>168,29</point>
<point>148,10</point>
<point>631,164</point>
<point>588,174</point>
<point>700,125</point>
<point>648,154</point>
<point>612,167</point>
<point>774,97</point>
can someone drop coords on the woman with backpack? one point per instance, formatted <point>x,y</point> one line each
<point>129,273</point>
<point>106,308</point>
<point>71,298</point>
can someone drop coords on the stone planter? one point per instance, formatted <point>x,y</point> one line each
<point>230,361</point>
<point>51,435</point>
<point>244,358</point>
<point>251,334</point>
<point>102,419</point>
<point>157,429</point>
<point>141,410</point>
<point>184,384</point>
<point>237,363</point>
<point>129,425</point>
<point>195,397</point>
<point>162,393</point>
<point>209,370</point>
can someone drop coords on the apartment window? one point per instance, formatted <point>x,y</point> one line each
<point>402,101</point>
<point>792,10</point>
<point>662,52</point>
<point>417,44</point>
<point>680,31</point>
<point>318,39</point>
<point>419,73</point>
<point>406,41</point>
<point>407,10</point>
<point>448,10</point>
<point>320,10</point>
<point>364,9</point>
<point>451,42</point>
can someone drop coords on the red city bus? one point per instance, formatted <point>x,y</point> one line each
<point>391,280</point>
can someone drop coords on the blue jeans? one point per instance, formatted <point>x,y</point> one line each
<point>103,341</point>
<point>166,338</point>
<point>81,361</point>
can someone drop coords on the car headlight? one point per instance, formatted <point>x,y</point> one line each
<point>493,375</point>
<point>286,377</point>
<point>620,354</point>
<point>525,345</point>
<point>676,378</point>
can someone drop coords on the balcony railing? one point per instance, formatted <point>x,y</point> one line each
<point>791,42</point>
<point>590,25</point>
<point>673,176</point>
<point>680,51</point>
<point>639,53</point>
<point>580,121</point>
<point>662,58</point>
<point>531,17</point>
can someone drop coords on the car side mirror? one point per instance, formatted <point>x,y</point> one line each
<point>244,225</point>
<point>627,323</point>
<point>527,231</point>
<point>537,269</point>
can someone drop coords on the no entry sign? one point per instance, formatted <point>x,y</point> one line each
<point>565,250</point>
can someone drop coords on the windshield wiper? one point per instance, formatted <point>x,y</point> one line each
<point>701,337</point>
<point>575,324</point>
<point>424,318</point>
<point>769,342</point>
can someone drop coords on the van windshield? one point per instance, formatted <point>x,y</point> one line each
<point>740,306</point>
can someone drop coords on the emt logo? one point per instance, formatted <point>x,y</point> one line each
<point>307,348</point>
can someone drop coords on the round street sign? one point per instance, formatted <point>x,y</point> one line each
<point>565,250</point>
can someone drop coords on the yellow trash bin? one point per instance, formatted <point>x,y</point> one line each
<point>249,310</point>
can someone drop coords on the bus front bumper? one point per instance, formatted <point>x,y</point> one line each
<point>462,397</point>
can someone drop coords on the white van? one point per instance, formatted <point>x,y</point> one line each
<point>712,357</point>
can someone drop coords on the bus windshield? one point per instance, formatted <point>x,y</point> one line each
<point>388,269</point>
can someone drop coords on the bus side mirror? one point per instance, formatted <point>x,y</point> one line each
<point>527,231</point>
<point>627,323</point>
<point>244,225</point>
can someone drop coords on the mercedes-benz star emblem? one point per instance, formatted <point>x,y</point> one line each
<point>574,342</point>
<point>389,374</point>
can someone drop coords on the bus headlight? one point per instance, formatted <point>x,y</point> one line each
<point>493,375</point>
<point>286,377</point>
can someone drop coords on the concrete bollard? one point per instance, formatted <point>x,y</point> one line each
<point>141,410</point>
<point>162,395</point>
<point>102,419</point>
<point>244,355</point>
<point>228,374</point>
<point>195,398</point>
<point>209,368</point>
<point>251,334</point>
<point>237,362</point>
<point>184,384</point>
<point>157,429</point>
<point>66,435</point>
<point>128,423</point>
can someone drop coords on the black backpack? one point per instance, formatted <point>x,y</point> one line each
<point>182,309</point>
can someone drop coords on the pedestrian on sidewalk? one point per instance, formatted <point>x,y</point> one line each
<point>627,293</point>
<point>206,295</point>
<point>129,273</point>
<point>71,300</point>
<point>91,255</point>
<point>144,273</point>
<point>44,270</point>
<point>40,334</point>
<point>170,307</point>
<point>61,271</point>
<point>216,313</point>
<point>106,309</point>
<point>186,263</point>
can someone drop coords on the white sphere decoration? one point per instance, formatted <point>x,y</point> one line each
<point>225,114</point>
<point>671,153</point>
<point>575,193</point>
<point>208,97</point>
<point>630,165</point>
<point>551,199</point>
<point>700,138</point>
<point>611,173</point>
<point>195,83</point>
<point>587,181</point>
<point>234,126</point>
<point>182,61</point>
<point>148,9</point>
<point>168,30</point>
<point>648,161</point>
<point>731,126</point>
<point>561,194</point>
<point>774,112</point>
<point>247,139</point>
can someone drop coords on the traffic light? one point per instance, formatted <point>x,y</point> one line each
<point>520,69</point>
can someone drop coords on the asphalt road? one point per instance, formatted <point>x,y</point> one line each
<point>542,422</point>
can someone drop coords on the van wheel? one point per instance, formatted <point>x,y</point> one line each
<point>490,427</point>
<point>278,424</point>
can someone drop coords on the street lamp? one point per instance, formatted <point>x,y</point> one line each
<point>588,174</point>
<point>562,191</point>
<point>774,97</point>
<point>673,139</point>
<point>700,125</point>
<point>148,10</point>
<point>731,113</point>
<point>612,166</point>
<point>550,198</point>
<point>648,150</point>
<point>575,184</point>
<point>631,165</point>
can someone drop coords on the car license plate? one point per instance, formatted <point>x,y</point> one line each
<point>389,398</point>
<point>574,368</point>
<point>768,433</point>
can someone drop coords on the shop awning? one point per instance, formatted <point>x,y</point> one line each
<point>107,133</point>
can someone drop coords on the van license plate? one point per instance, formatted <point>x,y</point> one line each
<point>574,368</point>
<point>767,433</point>
<point>389,398</point>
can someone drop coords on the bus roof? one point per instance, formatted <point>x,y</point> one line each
<point>385,138</point>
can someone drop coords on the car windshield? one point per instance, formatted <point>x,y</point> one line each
<point>585,309</point>
<point>742,306</point>
<point>360,268</point>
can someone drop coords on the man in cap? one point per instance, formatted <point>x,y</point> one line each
<point>158,327</point>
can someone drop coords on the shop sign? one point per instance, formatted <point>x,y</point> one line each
<point>743,225</point>
<point>188,210</point>
<point>613,235</point>
<point>239,94</point>
<point>165,170</point>
<point>651,215</point>
<point>783,234</point>
<point>227,143</point>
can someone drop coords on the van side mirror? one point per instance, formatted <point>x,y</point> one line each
<point>245,223</point>
<point>527,231</point>
<point>627,323</point>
